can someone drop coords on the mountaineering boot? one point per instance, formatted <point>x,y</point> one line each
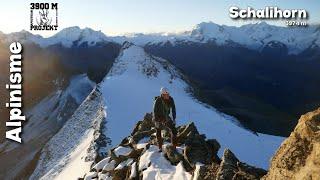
<point>159,139</point>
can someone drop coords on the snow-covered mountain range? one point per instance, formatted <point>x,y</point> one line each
<point>66,37</point>
<point>253,36</point>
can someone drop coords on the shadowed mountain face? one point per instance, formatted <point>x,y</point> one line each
<point>48,69</point>
<point>42,73</point>
<point>94,60</point>
<point>51,94</point>
<point>266,90</point>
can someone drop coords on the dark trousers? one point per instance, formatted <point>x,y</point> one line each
<point>169,125</point>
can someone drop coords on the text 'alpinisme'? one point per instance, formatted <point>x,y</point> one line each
<point>15,105</point>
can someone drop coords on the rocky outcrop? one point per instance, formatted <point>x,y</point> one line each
<point>137,157</point>
<point>232,168</point>
<point>299,155</point>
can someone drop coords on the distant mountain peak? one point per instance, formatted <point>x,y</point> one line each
<point>71,29</point>
<point>127,44</point>
<point>207,24</point>
<point>69,35</point>
<point>263,23</point>
<point>78,30</point>
<point>208,30</point>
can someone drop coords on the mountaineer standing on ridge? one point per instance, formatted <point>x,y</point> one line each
<point>162,106</point>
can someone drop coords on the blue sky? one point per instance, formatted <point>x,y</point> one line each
<point>123,16</point>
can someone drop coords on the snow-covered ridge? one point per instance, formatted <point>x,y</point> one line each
<point>129,94</point>
<point>253,36</point>
<point>195,157</point>
<point>144,62</point>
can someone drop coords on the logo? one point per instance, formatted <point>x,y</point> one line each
<point>44,16</point>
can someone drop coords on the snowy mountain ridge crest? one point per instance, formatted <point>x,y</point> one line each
<point>146,63</point>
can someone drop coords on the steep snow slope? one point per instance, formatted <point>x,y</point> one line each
<point>135,79</point>
<point>43,120</point>
<point>73,149</point>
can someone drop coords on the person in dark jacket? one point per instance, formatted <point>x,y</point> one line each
<point>163,105</point>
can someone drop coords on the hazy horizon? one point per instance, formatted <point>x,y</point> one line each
<point>146,33</point>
